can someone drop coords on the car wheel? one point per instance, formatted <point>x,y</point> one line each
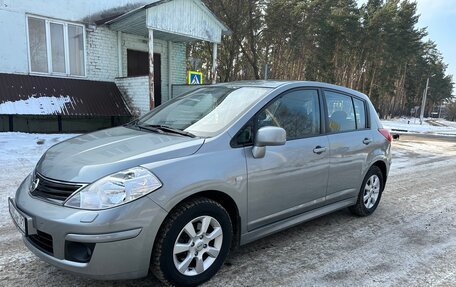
<point>192,244</point>
<point>370,193</point>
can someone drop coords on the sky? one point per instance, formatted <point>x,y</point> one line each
<point>439,16</point>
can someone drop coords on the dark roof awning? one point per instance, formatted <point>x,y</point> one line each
<point>36,95</point>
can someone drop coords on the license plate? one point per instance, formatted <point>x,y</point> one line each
<point>19,220</point>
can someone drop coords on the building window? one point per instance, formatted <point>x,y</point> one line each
<point>56,47</point>
<point>137,63</point>
<point>37,45</point>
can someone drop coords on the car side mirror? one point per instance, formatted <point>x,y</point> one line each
<point>268,136</point>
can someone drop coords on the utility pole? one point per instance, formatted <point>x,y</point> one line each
<point>423,103</point>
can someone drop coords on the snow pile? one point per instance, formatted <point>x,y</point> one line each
<point>19,153</point>
<point>412,125</point>
<point>36,106</point>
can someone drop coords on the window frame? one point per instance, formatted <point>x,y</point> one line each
<point>47,23</point>
<point>366,113</point>
<point>252,121</point>
<point>325,111</point>
<point>137,52</point>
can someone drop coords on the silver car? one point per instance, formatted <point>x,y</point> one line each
<point>219,167</point>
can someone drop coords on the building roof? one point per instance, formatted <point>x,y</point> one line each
<point>178,24</point>
<point>37,95</point>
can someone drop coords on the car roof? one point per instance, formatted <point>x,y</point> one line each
<point>274,84</point>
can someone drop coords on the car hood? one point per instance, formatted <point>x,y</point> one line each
<point>92,156</point>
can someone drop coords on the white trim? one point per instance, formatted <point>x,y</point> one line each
<point>49,43</point>
<point>65,24</point>
<point>190,37</point>
<point>67,49</point>
<point>28,45</point>
<point>170,74</point>
<point>119,54</point>
<point>84,44</point>
<point>60,76</point>
<point>48,46</point>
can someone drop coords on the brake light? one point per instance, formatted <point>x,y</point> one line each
<point>386,134</point>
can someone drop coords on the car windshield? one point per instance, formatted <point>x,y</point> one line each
<point>204,112</point>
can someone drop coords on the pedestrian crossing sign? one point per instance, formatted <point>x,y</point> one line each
<point>195,78</point>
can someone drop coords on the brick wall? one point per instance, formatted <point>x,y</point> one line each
<point>136,93</point>
<point>139,43</point>
<point>102,55</point>
<point>178,64</point>
<point>102,64</point>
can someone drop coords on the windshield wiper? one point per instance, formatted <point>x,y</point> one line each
<point>145,127</point>
<point>170,130</point>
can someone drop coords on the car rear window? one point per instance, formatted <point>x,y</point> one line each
<point>360,112</point>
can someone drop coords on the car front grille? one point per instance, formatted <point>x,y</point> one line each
<point>52,189</point>
<point>42,241</point>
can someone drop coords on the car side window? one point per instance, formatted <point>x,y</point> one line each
<point>297,112</point>
<point>360,112</point>
<point>244,136</point>
<point>340,112</point>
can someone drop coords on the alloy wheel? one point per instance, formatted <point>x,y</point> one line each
<point>371,191</point>
<point>198,245</point>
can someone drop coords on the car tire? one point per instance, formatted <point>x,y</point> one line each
<point>184,253</point>
<point>370,193</point>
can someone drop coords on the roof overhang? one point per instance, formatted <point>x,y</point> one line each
<point>172,20</point>
<point>39,95</point>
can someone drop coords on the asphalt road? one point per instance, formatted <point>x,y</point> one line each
<point>409,241</point>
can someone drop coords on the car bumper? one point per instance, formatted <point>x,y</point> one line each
<point>118,241</point>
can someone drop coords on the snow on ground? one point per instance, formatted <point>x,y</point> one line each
<point>409,239</point>
<point>447,123</point>
<point>410,155</point>
<point>412,125</point>
<point>19,153</point>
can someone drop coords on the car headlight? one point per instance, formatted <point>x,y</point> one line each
<point>115,189</point>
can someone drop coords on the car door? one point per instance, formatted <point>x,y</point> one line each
<point>349,144</point>
<point>292,178</point>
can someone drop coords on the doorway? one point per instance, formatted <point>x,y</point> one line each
<point>138,65</point>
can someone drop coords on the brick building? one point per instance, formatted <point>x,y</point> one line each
<point>132,52</point>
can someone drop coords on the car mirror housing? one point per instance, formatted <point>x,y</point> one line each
<point>268,136</point>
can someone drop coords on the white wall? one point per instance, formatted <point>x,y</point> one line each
<point>13,33</point>
<point>136,92</point>
<point>101,44</point>
<point>102,64</point>
<point>139,43</point>
<point>71,10</point>
<point>136,89</point>
<point>13,47</point>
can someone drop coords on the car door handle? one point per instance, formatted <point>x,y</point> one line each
<point>319,150</point>
<point>367,141</point>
